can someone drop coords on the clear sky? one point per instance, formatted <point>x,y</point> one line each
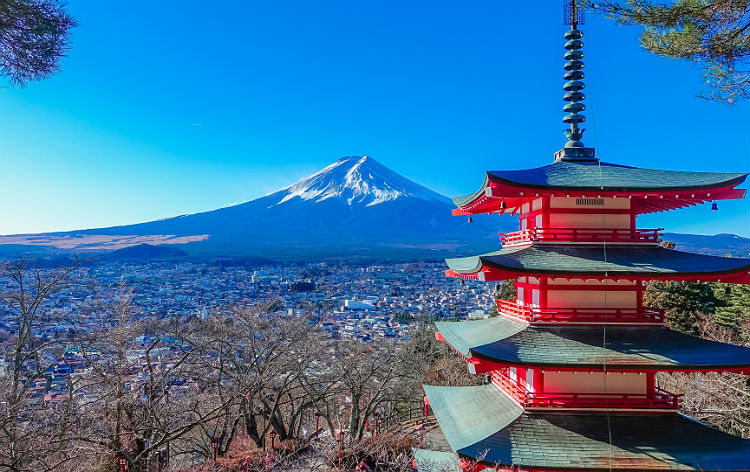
<point>171,107</point>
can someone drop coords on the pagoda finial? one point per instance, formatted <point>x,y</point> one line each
<point>574,148</point>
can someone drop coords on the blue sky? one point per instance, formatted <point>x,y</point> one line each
<point>172,107</point>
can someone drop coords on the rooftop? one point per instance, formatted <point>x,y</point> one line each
<point>510,342</point>
<point>482,422</point>
<point>598,176</point>
<point>615,261</point>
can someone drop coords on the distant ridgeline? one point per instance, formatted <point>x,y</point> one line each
<point>355,209</point>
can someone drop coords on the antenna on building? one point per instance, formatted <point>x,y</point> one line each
<point>574,148</point>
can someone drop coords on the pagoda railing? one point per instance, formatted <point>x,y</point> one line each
<point>656,399</point>
<point>581,235</point>
<point>509,386</point>
<point>590,315</point>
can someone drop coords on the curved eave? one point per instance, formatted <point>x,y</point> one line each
<point>707,180</point>
<point>482,424</point>
<point>652,263</point>
<point>501,342</point>
<point>496,190</point>
<point>463,336</point>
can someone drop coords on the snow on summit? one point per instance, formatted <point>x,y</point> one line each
<point>357,180</point>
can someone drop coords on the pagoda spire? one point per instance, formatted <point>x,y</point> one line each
<point>574,149</point>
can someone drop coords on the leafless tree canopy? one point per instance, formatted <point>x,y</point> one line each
<point>242,388</point>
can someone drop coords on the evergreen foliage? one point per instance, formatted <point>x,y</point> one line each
<point>503,291</point>
<point>507,290</point>
<point>725,305</point>
<point>713,33</point>
<point>493,311</point>
<point>685,302</point>
<point>404,317</point>
<point>34,36</point>
<point>732,307</point>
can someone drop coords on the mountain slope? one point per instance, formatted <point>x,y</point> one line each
<point>716,245</point>
<point>355,206</point>
<point>143,252</point>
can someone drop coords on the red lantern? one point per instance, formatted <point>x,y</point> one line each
<point>123,463</point>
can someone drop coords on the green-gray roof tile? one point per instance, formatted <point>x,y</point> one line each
<point>507,341</point>
<point>466,335</point>
<point>485,413</point>
<point>617,260</point>
<point>607,176</point>
<point>579,441</point>
<point>604,176</point>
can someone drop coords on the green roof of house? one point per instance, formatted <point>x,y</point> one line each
<point>506,341</point>
<point>604,177</point>
<point>481,422</point>
<point>614,260</point>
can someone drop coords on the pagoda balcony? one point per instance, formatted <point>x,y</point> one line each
<point>579,315</point>
<point>582,235</point>
<point>658,399</point>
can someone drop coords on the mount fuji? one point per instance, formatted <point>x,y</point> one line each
<point>355,208</point>
<point>360,181</point>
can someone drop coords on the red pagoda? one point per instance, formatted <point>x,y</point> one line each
<point>573,359</point>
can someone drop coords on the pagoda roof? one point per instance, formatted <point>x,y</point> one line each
<point>614,261</point>
<point>482,423</point>
<point>508,342</point>
<point>436,461</point>
<point>603,176</point>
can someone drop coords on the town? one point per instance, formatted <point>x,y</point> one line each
<point>362,303</point>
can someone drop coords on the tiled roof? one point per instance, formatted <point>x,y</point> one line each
<point>481,422</point>
<point>604,176</point>
<point>485,411</point>
<point>614,260</point>
<point>436,461</point>
<point>506,341</point>
<point>463,336</point>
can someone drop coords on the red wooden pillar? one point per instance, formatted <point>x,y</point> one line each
<point>545,212</point>
<point>650,383</point>
<point>539,380</point>
<point>639,289</point>
<point>543,292</point>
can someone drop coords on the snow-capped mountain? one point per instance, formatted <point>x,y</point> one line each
<point>354,208</point>
<point>358,180</point>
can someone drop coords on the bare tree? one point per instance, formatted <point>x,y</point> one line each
<point>144,390</point>
<point>34,435</point>
<point>365,374</point>
<point>720,399</point>
<point>264,368</point>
